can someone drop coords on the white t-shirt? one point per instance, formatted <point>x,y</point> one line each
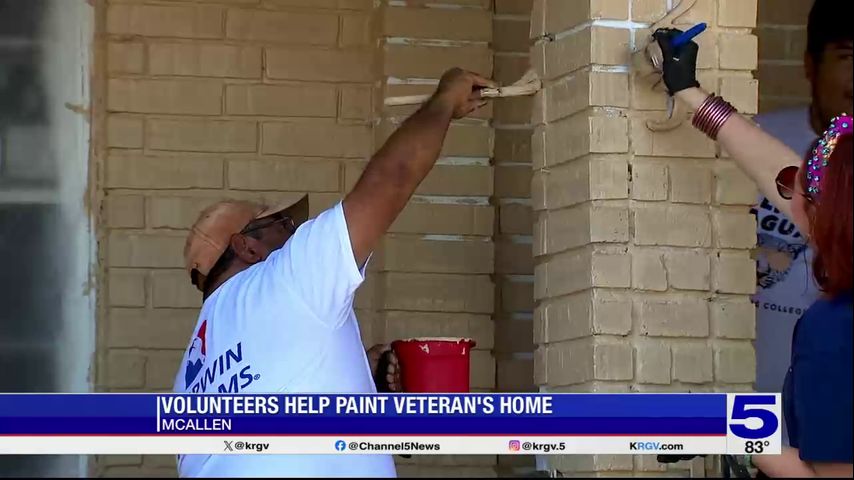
<point>786,286</point>
<point>285,325</point>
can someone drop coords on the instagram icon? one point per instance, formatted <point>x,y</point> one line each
<point>515,446</point>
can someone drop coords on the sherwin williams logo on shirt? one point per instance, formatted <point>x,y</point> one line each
<point>223,372</point>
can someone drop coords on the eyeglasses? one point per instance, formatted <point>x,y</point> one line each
<point>286,222</point>
<point>786,183</point>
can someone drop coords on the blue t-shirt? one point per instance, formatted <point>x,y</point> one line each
<point>817,396</point>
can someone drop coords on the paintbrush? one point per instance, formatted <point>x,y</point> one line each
<point>529,84</point>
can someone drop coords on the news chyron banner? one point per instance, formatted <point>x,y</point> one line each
<point>488,424</point>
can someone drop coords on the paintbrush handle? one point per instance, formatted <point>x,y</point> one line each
<point>509,91</point>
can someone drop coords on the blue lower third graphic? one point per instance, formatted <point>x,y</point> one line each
<point>340,445</point>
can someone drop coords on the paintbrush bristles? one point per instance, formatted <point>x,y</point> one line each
<point>529,84</point>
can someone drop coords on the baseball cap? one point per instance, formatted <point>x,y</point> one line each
<point>211,233</point>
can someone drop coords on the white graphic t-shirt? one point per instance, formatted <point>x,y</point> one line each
<point>285,325</point>
<point>786,287</point>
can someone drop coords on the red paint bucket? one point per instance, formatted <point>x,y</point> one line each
<point>434,365</point>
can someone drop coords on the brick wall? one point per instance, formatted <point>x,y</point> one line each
<point>265,100</point>
<point>782,33</point>
<point>641,239</point>
<point>514,268</point>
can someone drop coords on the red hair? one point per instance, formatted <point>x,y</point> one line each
<point>832,222</point>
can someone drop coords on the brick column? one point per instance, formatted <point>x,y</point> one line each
<point>782,36</point>
<point>432,275</point>
<point>641,239</point>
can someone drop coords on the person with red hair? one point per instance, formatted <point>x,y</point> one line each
<point>817,193</point>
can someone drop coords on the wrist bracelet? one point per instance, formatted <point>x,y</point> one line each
<point>712,115</point>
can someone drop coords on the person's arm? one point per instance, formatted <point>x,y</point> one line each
<point>396,170</point>
<point>759,155</point>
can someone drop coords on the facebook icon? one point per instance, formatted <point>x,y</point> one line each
<point>340,445</point>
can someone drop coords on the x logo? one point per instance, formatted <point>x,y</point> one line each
<point>228,446</point>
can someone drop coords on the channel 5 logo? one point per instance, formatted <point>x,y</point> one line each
<point>753,416</point>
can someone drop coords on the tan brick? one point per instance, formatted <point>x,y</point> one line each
<point>163,250</point>
<point>653,363</point>
<point>509,68</point>
<point>648,11</point>
<point>356,31</point>
<point>429,256</point>
<point>165,21</point>
<point>773,43</point>
<point>454,180</point>
<point>511,35</point>
<point>513,258</point>
<point>157,172</point>
<point>734,230</point>
<point>613,360</point>
<point>649,180</point>
<point>124,131</point>
<point>515,219</point>
<point>139,328</point>
<point>569,362</point>
<point>586,313</point>
<point>690,183</point>
<point>734,273</point>
<point>692,363</point>
<point>317,175</point>
<point>438,293</point>
<point>685,141</point>
<point>202,135</point>
<point>330,4</point>
<point>592,463</point>
<point>733,187</point>
<point>512,146</point>
<point>733,318</point>
<point>422,471</point>
<point>142,471</point>
<point>514,375</point>
<point>172,288</point>
<point>468,141</point>
<point>593,45</point>
<point>514,110</point>
<point>611,270</point>
<point>177,212</point>
<point>356,102</point>
<point>160,369</point>
<point>438,23</point>
<point>316,140</point>
<point>581,134</point>
<point>735,363</point>
<point>126,287</point>
<point>513,7</point>
<point>513,181</point>
<point>284,27</point>
<point>401,325</point>
<point>688,270</point>
<point>125,57</point>
<point>438,219</point>
<point>565,273</point>
<point>737,13</point>
<point>738,52</point>
<point>125,211</point>
<point>297,100</point>
<point>678,226</point>
<point>318,64</point>
<point>783,80</point>
<point>205,60</point>
<point>648,271</point>
<point>124,369</point>
<point>517,296</point>
<point>743,93</point>
<point>409,61</point>
<point>192,97</point>
<point>783,12</point>
<point>673,317</point>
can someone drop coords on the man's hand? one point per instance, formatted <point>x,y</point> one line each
<point>390,379</point>
<point>459,91</point>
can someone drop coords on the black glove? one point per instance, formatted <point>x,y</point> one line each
<point>680,64</point>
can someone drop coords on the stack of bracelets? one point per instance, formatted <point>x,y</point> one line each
<point>712,115</point>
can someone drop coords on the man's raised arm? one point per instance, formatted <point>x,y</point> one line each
<point>396,170</point>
